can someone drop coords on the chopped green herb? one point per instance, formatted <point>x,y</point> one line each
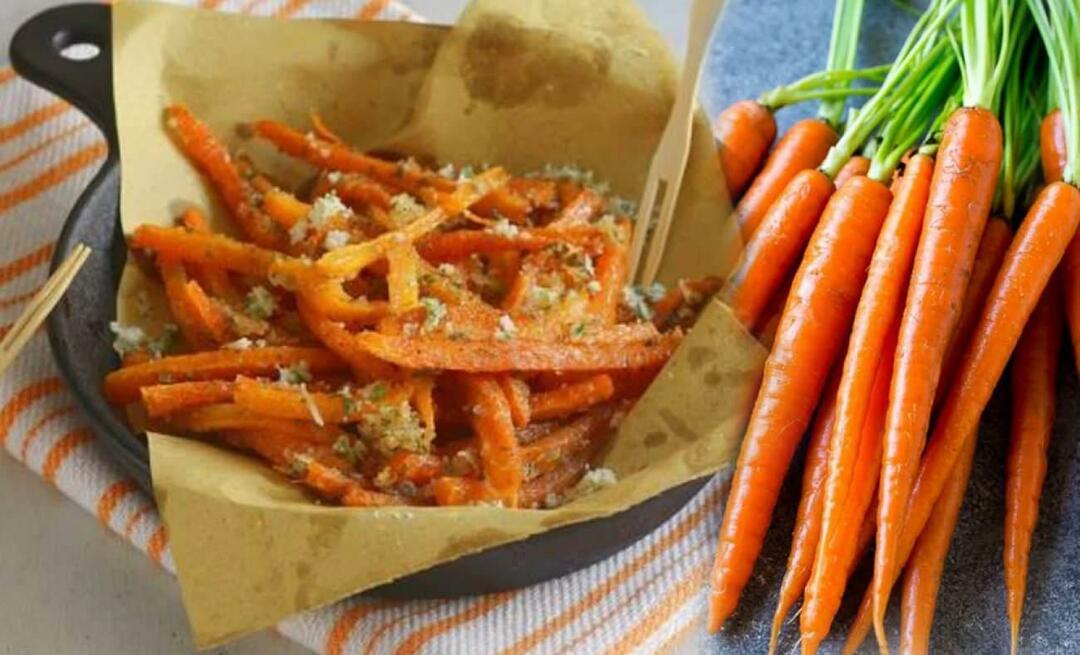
<point>297,373</point>
<point>260,303</point>
<point>434,313</point>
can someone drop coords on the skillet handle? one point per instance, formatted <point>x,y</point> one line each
<point>36,55</point>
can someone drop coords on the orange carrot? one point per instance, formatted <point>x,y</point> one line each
<point>808,341</point>
<point>857,165</point>
<point>284,208</point>
<point>199,143</point>
<point>922,578</point>
<point>1034,375</point>
<point>418,468</point>
<point>500,454</point>
<point>450,490</point>
<point>1034,253</point>
<point>802,147</point>
<point>804,536</point>
<point>776,245</point>
<point>572,398</point>
<point>165,399</point>
<point>1052,146</point>
<point>995,241</point>
<point>744,131</point>
<point>961,192</point>
<point>122,386</point>
<point>839,548</point>
<point>876,317</point>
<point>765,330</point>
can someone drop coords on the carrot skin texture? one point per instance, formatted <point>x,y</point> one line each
<point>995,241</point>
<point>922,579</point>
<point>811,335</point>
<point>804,536</point>
<point>803,146</point>
<point>1035,251</point>
<point>744,131</point>
<point>961,192</point>
<point>1033,376</point>
<point>776,245</point>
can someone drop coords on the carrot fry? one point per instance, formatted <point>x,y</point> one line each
<point>450,490</point>
<point>205,249</point>
<point>553,485</point>
<point>339,340</point>
<point>807,528</point>
<point>1034,376</point>
<point>612,270</point>
<point>284,207</point>
<point>500,454</point>
<point>334,156</point>
<point>418,468</point>
<point>517,394</point>
<point>499,355</point>
<point>201,324</point>
<point>334,485</point>
<point>452,246</point>
<point>572,398</point>
<point>546,453</point>
<point>287,402</point>
<point>830,276</point>
<point>216,418</point>
<point>802,147</point>
<point>744,131</point>
<point>122,386</point>
<point>210,156</point>
<point>165,399</point>
<point>401,281</point>
<point>961,192</point>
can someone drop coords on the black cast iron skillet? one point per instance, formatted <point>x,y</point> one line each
<point>79,335</point>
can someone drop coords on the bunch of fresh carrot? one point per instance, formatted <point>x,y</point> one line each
<point>892,303</point>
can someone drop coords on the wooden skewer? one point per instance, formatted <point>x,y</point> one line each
<point>669,162</point>
<point>41,305</point>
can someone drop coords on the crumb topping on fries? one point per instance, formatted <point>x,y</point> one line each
<point>400,334</point>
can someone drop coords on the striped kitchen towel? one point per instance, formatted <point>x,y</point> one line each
<point>649,598</point>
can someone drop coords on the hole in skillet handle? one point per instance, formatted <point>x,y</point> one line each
<point>67,50</point>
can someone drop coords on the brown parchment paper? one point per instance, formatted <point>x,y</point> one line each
<point>520,83</point>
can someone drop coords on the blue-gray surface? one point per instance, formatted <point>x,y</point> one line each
<point>760,44</point>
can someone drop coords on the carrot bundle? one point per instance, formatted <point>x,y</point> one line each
<point>807,342</point>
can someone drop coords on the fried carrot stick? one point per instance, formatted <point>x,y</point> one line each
<point>122,386</point>
<point>164,399</point>
<point>205,249</point>
<point>499,355</point>
<point>200,145</point>
<point>337,157</point>
<point>572,398</point>
<point>500,453</point>
<point>744,131</point>
<point>802,147</point>
<point>804,536</point>
<point>1034,377</point>
<point>517,393</point>
<point>830,276</point>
